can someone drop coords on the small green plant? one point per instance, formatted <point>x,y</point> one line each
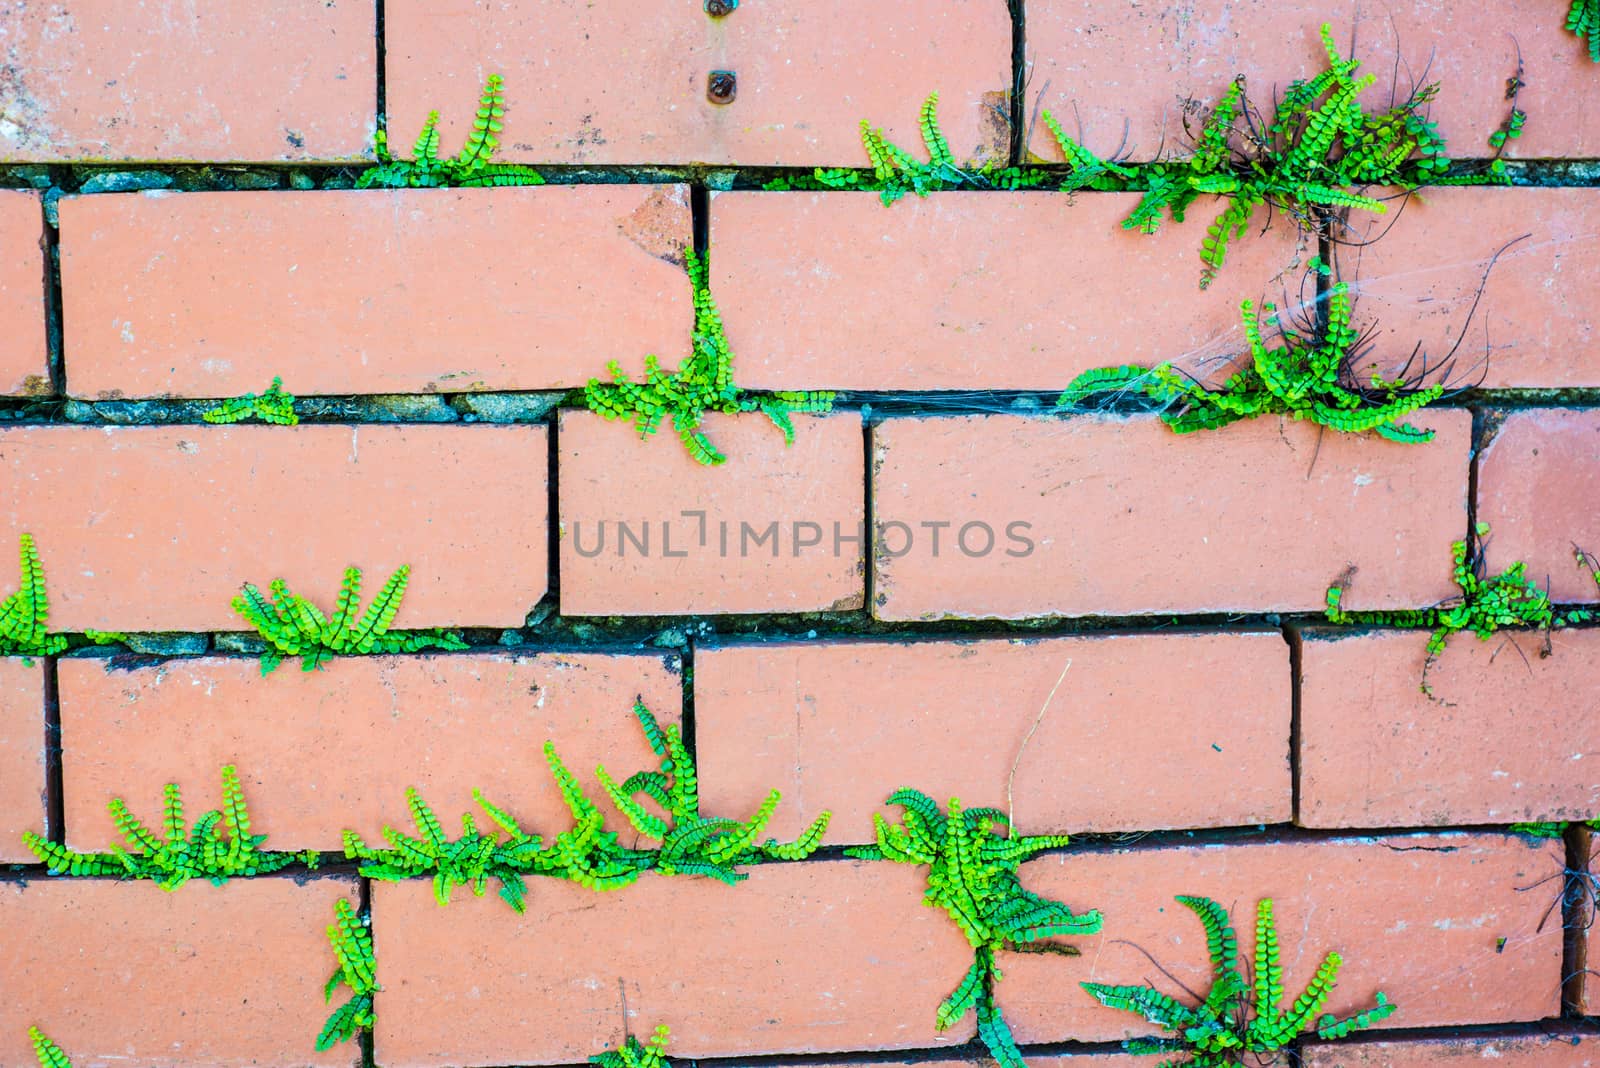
<point>1583,19</point>
<point>972,875</point>
<point>293,626</point>
<point>49,1054</point>
<point>586,853</point>
<point>218,848</point>
<point>23,615</point>
<point>692,844</point>
<point>1303,376</point>
<point>272,405</point>
<point>475,165</point>
<point>1227,1025</point>
<point>1484,606</point>
<point>1550,828</point>
<point>351,937</point>
<point>703,383</point>
<point>633,1054</point>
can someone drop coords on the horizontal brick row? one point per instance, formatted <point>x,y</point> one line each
<point>211,294</point>
<point>1132,75</point>
<point>319,753</point>
<point>22,284</point>
<point>626,82</point>
<point>406,291</point>
<point>170,80</point>
<point>839,956</point>
<point>156,528</point>
<point>127,974</point>
<point>1559,1049</point>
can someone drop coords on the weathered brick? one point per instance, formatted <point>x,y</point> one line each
<point>1563,1049</point>
<point>1418,917</point>
<point>645,529</point>
<point>1417,285</point>
<point>1136,74</point>
<point>1497,743</point>
<point>156,528</point>
<point>22,786</point>
<point>1587,945</point>
<point>22,322</point>
<point>626,82</point>
<point>168,80</point>
<point>405,291</point>
<point>131,975</point>
<point>838,725</point>
<point>833,290</point>
<point>804,958</point>
<point>1035,1060</point>
<point>1127,517</point>
<point>322,751</point>
<point>1536,479</point>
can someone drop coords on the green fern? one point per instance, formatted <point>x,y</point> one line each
<point>1484,606</point>
<point>218,847</point>
<point>1583,19</point>
<point>351,937</point>
<point>270,406</point>
<point>691,843</point>
<point>49,1054</point>
<point>474,166</point>
<point>1230,1023</point>
<point>972,875</point>
<point>23,615</point>
<point>293,626</point>
<point>1302,377</point>
<point>704,383</point>
<point>633,1054</point>
<point>1551,828</point>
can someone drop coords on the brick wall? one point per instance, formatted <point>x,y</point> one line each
<point>1089,621</point>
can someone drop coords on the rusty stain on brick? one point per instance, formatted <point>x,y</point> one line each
<point>36,386</point>
<point>994,131</point>
<point>661,225</point>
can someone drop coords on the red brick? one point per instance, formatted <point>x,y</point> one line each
<point>22,787</point>
<point>804,958</point>
<point>156,528</point>
<point>1561,1050</point>
<point>1418,284</point>
<point>625,82</point>
<point>168,80</point>
<point>1587,946</point>
<point>833,290</point>
<point>610,478</point>
<point>1497,744</point>
<point>1035,1060</point>
<point>1128,517</point>
<point>22,317</point>
<point>1137,71</point>
<point>131,975</point>
<point>406,291</point>
<point>837,726</point>
<point>1536,480</point>
<point>324,751</point>
<point>1418,917</point>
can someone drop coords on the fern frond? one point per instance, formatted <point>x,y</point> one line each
<point>474,166</point>
<point>48,1053</point>
<point>24,614</point>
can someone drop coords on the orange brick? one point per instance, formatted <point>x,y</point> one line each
<point>804,958</point>
<point>1564,1049</point>
<point>1418,284</point>
<point>645,529</point>
<point>625,82</point>
<point>1418,917</point>
<point>407,291</point>
<point>22,787</point>
<point>837,726</point>
<point>1536,480</point>
<point>22,315</point>
<point>833,290</point>
<point>1498,744</point>
<point>1258,516</point>
<point>1587,946</point>
<point>129,974</point>
<point>324,751</point>
<point>167,80</point>
<point>156,528</point>
<point>1135,72</point>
